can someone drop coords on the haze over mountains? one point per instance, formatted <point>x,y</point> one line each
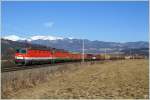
<point>75,45</point>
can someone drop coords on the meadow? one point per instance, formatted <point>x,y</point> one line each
<point>121,79</point>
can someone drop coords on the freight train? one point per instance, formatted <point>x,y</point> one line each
<point>30,56</point>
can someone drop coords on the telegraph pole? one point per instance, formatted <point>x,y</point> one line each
<point>105,53</point>
<point>130,53</point>
<point>82,50</point>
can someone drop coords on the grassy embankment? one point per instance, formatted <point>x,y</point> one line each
<point>114,79</point>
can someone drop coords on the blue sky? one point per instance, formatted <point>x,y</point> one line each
<point>104,21</point>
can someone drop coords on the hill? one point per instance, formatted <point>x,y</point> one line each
<point>75,45</point>
<point>8,47</point>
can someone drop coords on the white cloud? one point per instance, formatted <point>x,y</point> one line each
<point>48,24</point>
<point>14,38</point>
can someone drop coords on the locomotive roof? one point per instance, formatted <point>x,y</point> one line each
<point>47,49</point>
<point>43,48</point>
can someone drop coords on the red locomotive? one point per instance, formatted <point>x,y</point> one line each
<point>30,56</point>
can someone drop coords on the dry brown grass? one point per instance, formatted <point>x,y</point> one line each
<point>14,81</point>
<point>113,79</point>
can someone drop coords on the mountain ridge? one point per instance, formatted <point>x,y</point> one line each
<point>75,45</point>
<point>49,37</point>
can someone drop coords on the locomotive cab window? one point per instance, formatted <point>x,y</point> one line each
<point>17,50</point>
<point>23,51</point>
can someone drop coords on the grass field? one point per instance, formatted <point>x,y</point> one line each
<point>112,79</point>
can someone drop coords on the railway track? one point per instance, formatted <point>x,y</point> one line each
<point>22,67</point>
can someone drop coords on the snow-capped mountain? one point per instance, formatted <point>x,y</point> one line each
<point>14,38</point>
<point>32,38</point>
<point>75,45</point>
<point>8,47</point>
<point>38,37</point>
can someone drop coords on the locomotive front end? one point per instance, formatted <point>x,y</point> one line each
<point>20,56</point>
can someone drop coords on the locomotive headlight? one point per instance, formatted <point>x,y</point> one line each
<point>18,57</point>
<point>93,57</point>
